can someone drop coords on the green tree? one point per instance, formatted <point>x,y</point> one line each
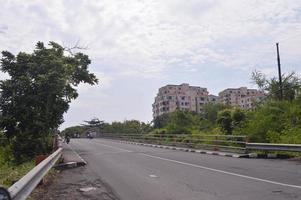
<point>275,121</point>
<point>238,116</point>
<point>161,120</point>
<point>75,130</point>
<point>183,122</point>
<point>291,85</point>
<point>38,93</point>
<point>224,120</point>
<point>210,111</point>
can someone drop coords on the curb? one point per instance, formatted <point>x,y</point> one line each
<point>69,165</point>
<point>188,150</point>
<point>82,162</point>
<point>266,156</point>
<point>75,161</point>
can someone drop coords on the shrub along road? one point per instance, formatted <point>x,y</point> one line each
<point>146,173</point>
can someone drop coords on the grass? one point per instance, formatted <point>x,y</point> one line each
<point>10,173</point>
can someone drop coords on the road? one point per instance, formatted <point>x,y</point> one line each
<point>145,173</point>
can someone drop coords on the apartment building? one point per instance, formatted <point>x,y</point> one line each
<point>241,97</point>
<point>213,99</point>
<point>183,97</point>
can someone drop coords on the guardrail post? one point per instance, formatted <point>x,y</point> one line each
<point>247,140</point>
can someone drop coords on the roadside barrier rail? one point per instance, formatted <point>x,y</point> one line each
<point>233,143</point>
<point>274,147</point>
<point>236,143</point>
<point>22,189</point>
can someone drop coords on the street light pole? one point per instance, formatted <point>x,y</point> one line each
<point>279,72</point>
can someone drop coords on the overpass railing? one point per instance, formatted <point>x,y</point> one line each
<point>274,147</point>
<point>213,142</point>
<point>230,143</point>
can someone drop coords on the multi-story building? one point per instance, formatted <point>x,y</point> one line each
<point>241,97</point>
<point>193,98</point>
<point>213,99</point>
<point>183,97</point>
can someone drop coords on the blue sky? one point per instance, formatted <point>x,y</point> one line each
<point>137,46</point>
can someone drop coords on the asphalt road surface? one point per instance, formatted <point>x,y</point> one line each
<point>145,173</point>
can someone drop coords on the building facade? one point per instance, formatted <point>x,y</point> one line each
<point>241,97</point>
<point>193,98</point>
<point>183,97</point>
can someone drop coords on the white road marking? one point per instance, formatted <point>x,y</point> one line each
<point>112,147</point>
<point>212,169</point>
<point>153,176</point>
<point>224,172</point>
<point>87,189</point>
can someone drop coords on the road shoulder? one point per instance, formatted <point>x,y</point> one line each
<point>75,184</point>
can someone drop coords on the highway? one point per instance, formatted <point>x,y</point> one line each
<point>145,173</point>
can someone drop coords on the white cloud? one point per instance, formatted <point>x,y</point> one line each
<point>151,39</point>
<point>140,34</point>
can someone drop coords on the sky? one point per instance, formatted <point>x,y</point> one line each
<point>138,46</point>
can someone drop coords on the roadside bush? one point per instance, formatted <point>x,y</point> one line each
<point>274,122</point>
<point>291,136</point>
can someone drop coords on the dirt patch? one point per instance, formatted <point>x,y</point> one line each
<point>73,184</point>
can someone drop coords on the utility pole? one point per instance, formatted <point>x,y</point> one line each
<point>279,72</point>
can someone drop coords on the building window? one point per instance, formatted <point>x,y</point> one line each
<point>183,98</point>
<point>202,99</point>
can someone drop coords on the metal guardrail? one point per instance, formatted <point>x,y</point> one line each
<point>231,143</point>
<point>274,147</point>
<point>22,189</point>
<point>237,143</point>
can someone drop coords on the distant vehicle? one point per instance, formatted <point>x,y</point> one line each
<point>67,139</point>
<point>91,135</point>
